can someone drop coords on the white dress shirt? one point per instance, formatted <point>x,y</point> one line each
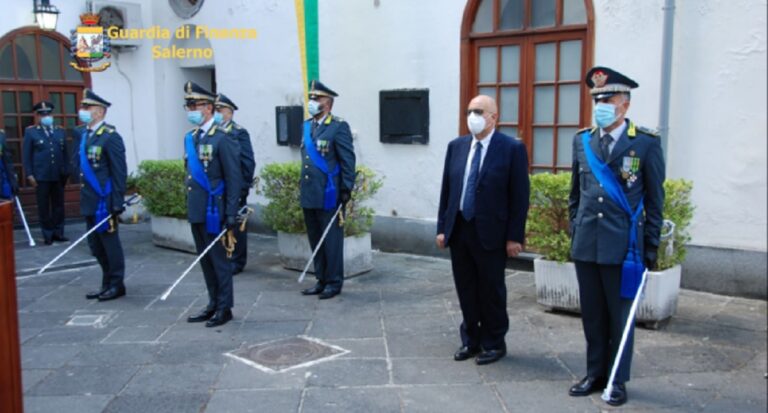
<point>485,142</point>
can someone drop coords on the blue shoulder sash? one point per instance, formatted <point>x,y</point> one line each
<point>93,182</point>
<point>212,216</point>
<point>329,199</point>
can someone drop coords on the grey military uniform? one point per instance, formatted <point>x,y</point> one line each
<point>247,167</point>
<point>600,238</point>
<point>333,140</point>
<point>600,228</point>
<point>105,152</point>
<point>219,154</point>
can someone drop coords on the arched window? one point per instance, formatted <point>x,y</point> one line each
<point>532,56</point>
<point>35,65</point>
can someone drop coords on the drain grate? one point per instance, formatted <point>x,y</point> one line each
<point>286,354</point>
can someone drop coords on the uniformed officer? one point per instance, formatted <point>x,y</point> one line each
<point>46,162</point>
<point>103,172</point>
<point>225,110</point>
<point>328,176</point>
<point>9,186</point>
<point>214,185</point>
<point>600,227</point>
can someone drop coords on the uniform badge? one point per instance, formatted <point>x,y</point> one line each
<point>322,146</point>
<point>205,153</point>
<point>629,168</point>
<point>94,155</point>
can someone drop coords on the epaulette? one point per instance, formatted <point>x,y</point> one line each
<point>588,128</point>
<point>31,126</point>
<point>236,126</point>
<point>651,132</point>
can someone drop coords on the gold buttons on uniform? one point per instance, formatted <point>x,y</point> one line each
<point>600,199</point>
<point>599,214</point>
<point>189,188</point>
<point>306,176</point>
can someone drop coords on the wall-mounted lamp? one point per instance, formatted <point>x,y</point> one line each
<point>46,14</point>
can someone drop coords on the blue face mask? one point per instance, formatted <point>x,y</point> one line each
<point>195,117</point>
<point>47,121</point>
<point>84,115</point>
<point>605,114</point>
<point>217,117</point>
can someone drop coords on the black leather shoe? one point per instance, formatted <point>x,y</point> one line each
<point>490,356</point>
<point>219,318</point>
<point>618,395</point>
<point>204,315</point>
<point>317,289</point>
<point>466,353</point>
<point>95,294</point>
<point>60,238</point>
<point>328,293</point>
<point>587,386</point>
<point>112,293</point>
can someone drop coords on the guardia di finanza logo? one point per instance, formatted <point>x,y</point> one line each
<point>90,45</point>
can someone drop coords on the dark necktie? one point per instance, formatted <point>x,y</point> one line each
<point>468,208</point>
<point>605,143</point>
<point>314,127</point>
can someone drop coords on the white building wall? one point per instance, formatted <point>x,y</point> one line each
<point>718,115</point>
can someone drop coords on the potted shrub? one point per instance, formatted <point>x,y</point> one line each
<point>161,184</point>
<point>549,235</point>
<point>135,213</point>
<point>280,185</point>
<point>663,285</point>
<point>548,229</point>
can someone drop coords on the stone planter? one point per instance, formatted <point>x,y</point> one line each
<point>295,251</point>
<point>557,288</point>
<point>133,214</point>
<point>172,233</point>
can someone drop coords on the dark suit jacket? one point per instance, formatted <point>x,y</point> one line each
<point>503,189</point>
<point>599,227</point>
<point>334,135</point>
<point>110,165</point>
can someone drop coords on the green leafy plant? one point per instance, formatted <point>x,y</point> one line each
<point>548,227</point>
<point>678,208</point>
<point>279,183</point>
<point>131,184</point>
<point>161,184</point>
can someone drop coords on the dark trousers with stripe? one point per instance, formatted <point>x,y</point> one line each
<point>217,270</point>
<point>479,278</point>
<point>108,250</point>
<point>603,315</point>
<point>50,208</point>
<point>329,261</point>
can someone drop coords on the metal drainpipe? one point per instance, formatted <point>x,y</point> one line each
<point>666,71</point>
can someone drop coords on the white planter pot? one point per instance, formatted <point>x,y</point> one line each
<point>295,251</point>
<point>172,233</point>
<point>133,214</point>
<point>557,288</point>
<point>556,285</point>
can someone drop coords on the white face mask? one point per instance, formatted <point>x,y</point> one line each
<point>475,123</point>
<point>314,107</point>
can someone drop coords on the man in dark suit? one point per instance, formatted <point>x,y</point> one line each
<point>103,172</point>
<point>327,179</point>
<point>600,228</point>
<point>483,209</point>
<point>46,162</point>
<point>225,108</point>
<point>9,185</point>
<point>214,186</point>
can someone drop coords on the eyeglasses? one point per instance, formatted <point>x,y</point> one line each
<point>475,111</point>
